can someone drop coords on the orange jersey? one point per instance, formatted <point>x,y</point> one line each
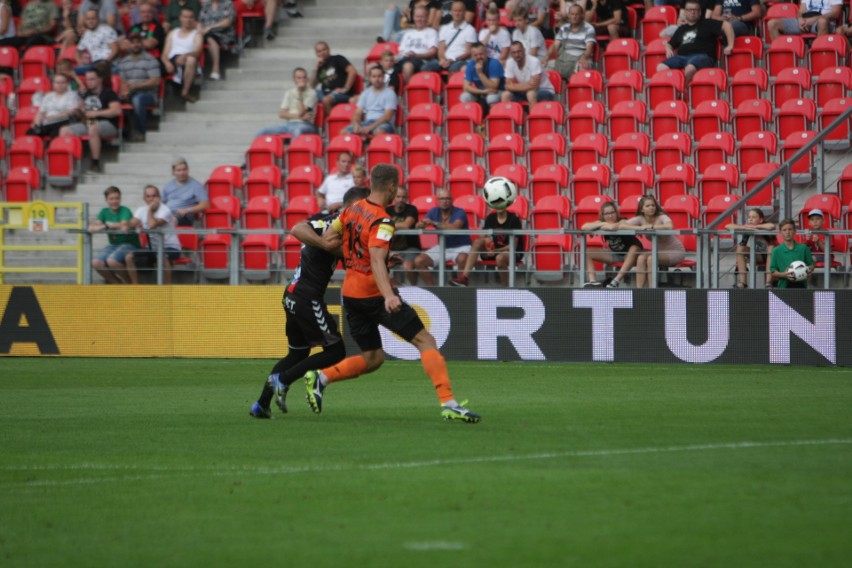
<point>363,225</point>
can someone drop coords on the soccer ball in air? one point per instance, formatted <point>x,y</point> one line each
<point>798,269</point>
<point>499,192</point>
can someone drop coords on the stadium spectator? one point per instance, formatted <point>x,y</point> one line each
<point>67,27</point>
<point>743,15</point>
<point>526,80</point>
<point>153,34</point>
<point>707,7</point>
<point>376,108</point>
<point>419,47</point>
<point>38,25</point>
<point>298,109</point>
<point>334,77</point>
<point>607,17</point>
<point>536,13</point>
<point>107,13</point>
<point>309,323</point>
<point>99,43</point>
<point>447,12</point>
<point>140,83</point>
<point>216,22</point>
<point>7,20</point>
<point>455,39</point>
<point>330,193</point>
<point>484,78</point>
<point>623,249</point>
<point>154,215</point>
<point>529,35</point>
<point>65,67</point>
<point>101,110</point>
<point>445,216</point>
<point>763,245</point>
<point>185,196</point>
<point>56,110</point>
<point>173,13</point>
<point>816,242</point>
<point>670,250</point>
<point>696,42</point>
<point>815,17</point>
<point>785,253</point>
<point>181,52</point>
<point>136,12</point>
<point>495,247</point>
<point>370,300</point>
<point>397,21</point>
<point>404,248</point>
<point>360,178</point>
<point>270,12</point>
<point>388,63</point>
<point>574,44</point>
<point>111,262</point>
<point>495,37</point>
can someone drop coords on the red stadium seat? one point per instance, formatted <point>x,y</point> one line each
<point>756,148</point>
<point>785,52</point>
<point>588,209</point>
<point>550,257</point>
<point>263,182</point>
<point>623,86</point>
<point>463,118</point>
<point>710,116</point>
<point>552,180</point>
<point>544,150</point>
<point>516,173</point>
<point>791,83</point>
<point>384,149</point>
<point>827,52</point>
<point>465,180</point>
<point>671,149</point>
<point>260,256</point>
<point>424,180</point>
<point>28,88</point>
<point>802,169</point>
<point>504,118</point>
<point>714,148</point>
<point>298,210</point>
<point>718,179</point>
<point>551,212</point>
<point>585,118</point>
<point>222,214</point>
<point>265,151</point>
<point>21,183</point>
<point>683,210</point>
<point>23,120</point>
<point>64,161</point>
<point>752,116</point>
<point>454,89</point>
<point>589,181</point>
<point>303,182</point>
<point>716,207</point>
<point>676,179</point>
<point>832,83</point>
<point>627,117</point>
<point>504,150</point>
<point>475,208</point>
<point>423,87</point>
<point>747,53</point>
<point>423,150</point>
<point>262,212</point>
<point>665,86</point>
<point>669,118</point>
<point>304,150</point>
<point>589,149</point>
<point>795,115</point>
<point>545,117</point>
<point>374,56</point>
<point>620,55</point>
<point>756,174</point>
<point>225,180</point>
<point>38,61</point>
<point>339,118</point>
<point>707,85</point>
<point>747,84</point>
<point>465,149</point>
<point>26,151</point>
<point>637,179</point>
<point>426,118</point>
<point>828,203</point>
<point>839,138</point>
<point>10,57</point>
<point>584,86</point>
<point>655,20</point>
<point>343,143</point>
<point>655,53</point>
<point>629,149</point>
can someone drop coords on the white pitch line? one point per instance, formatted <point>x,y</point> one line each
<point>189,471</point>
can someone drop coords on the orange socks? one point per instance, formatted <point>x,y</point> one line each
<point>436,367</point>
<point>349,368</point>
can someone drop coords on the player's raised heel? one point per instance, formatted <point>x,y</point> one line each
<point>459,412</point>
<point>315,389</point>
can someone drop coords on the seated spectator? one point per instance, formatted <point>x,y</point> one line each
<point>484,78</point>
<point>743,15</point>
<point>111,262</point>
<point>419,47</point>
<point>707,7</point>
<point>526,80</point>
<point>397,21</point>
<point>270,12</point>
<point>404,248</point>
<point>608,17</point>
<point>495,247</point>
<point>376,107</point>
<point>101,110</point>
<point>298,109</point>
<point>785,253</point>
<point>181,52</point>
<point>173,13</point>
<point>763,245</point>
<point>455,39</point>
<point>38,25</point>
<point>217,24</point>
<point>140,83</point>
<point>815,17</point>
<point>529,35</point>
<point>574,44</point>
<point>624,248</point>
<point>670,250</point>
<point>334,186</point>
<point>56,110</point>
<point>153,34</point>
<point>696,42</point>
<point>388,63</point>
<point>185,196</point>
<point>446,13</point>
<point>68,17</point>
<point>65,67</point>
<point>7,21</point>
<point>154,215</point>
<point>360,177</point>
<point>495,37</point>
<point>815,242</point>
<point>444,217</point>
<point>136,12</point>
<point>334,77</point>
<point>99,43</point>
<point>107,14</point>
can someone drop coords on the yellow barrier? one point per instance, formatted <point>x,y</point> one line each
<point>143,321</point>
<point>41,217</point>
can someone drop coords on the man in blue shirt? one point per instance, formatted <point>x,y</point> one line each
<point>444,217</point>
<point>484,79</point>
<point>183,195</point>
<point>376,107</point>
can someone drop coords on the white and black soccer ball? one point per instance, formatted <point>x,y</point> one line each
<point>799,270</point>
<point>499,192</point>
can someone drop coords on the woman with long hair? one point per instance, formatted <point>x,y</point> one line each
<point>622,248</point>
<point>670,250</point>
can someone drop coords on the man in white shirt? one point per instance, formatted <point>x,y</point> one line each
<point>376,107</point>
<point>526,79</point>
<point>529,35</point>
<point>154,215</point>
<point>419,46</point>
<point>330,193</point>
<point>455,39</point>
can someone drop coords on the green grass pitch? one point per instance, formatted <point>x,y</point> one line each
<point>155,462</point>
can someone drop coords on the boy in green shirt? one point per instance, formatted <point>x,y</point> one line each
<point>111,261</point>
<point>785,253</point>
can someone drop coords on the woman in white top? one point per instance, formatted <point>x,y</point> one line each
<point>56,109</point>
<point>670,250</point>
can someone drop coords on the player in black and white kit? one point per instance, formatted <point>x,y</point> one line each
<point>309,323</point>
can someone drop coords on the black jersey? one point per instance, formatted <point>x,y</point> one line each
<point>316,265</point>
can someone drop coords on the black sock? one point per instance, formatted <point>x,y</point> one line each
<point>330,355</point>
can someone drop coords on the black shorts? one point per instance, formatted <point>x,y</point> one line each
<point>365,315</point>
<point>309,322</point>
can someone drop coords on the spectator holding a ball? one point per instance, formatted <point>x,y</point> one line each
<point>784,254</point>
